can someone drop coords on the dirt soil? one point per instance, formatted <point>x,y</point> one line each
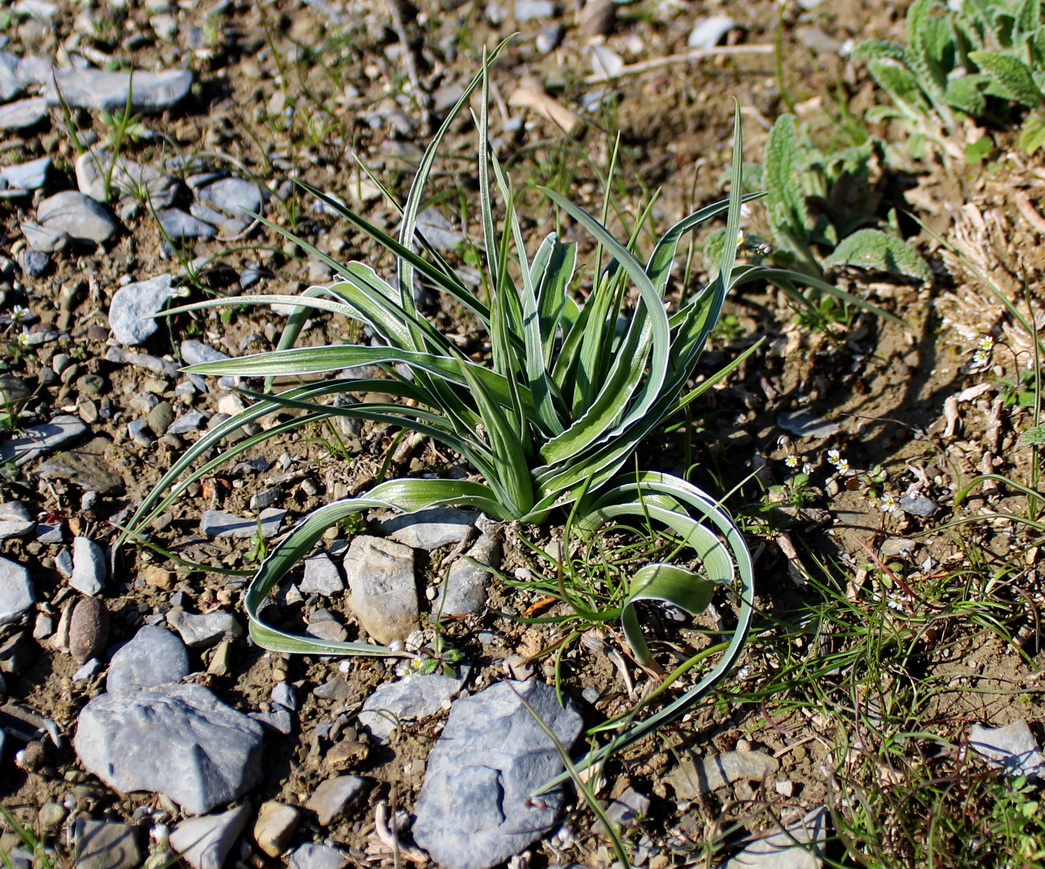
<point>285,90</point>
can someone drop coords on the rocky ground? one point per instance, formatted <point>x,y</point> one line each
<point>137,719</point>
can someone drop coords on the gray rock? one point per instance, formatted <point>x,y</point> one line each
<point>180,225</point>
<point>708,32</point>
<point>88,629</point>
<point>474,809</point>
<point>429,529</point>
<point>626,809</point>
<point>190,421</point>
<point>31,175</point>
<point>86,466</point>
<point>806,424</point>
<point>142,360</point>
<point>10,86</point>
<point>218,523</point>
<point>464,591</point>
<point>39,440</point>
<point>437,229</point>
<point>105,845</point>
<point>99,174</point>
<point>160,418</point>
<point>16,591</point>
<point>89,566</point>
<point>325,627</point>
<point>196,352</point>
<point>274,826</point>
<point>409,699</point>
<point>23,114</point>
<point>919,505</point>
<point>283,693</point>
<point>201,631</point>
<point>153,657</point>
<point>178,740</point>
<point>236,197</point>
<point>279,720</point>
<point>795,847</point>
<point>32,70</point>
<point>382,588</point>
<point>109,91</point>
<point>321,576</point>
<point>78,216</point>
<point>43,239</point>
<point>34,263</point>
<point>1012,747</point>
<point>132,306</point>
<point>336,796</point>
<point>529,10</point>
<point>204,843</point>
<point>15,520</point>
<point>335,689</point>
<point>313,856</point>
<point>88,670</point>
<point>703,775</point>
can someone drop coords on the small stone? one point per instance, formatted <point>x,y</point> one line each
<point>429,529</point>
<point>1012,747</point>
<point>39,440</point>
<point>605,62</point>
<point>132,307</point>
<point>919,505</point>
<point>88,670</point>
<point>178,740</point>
<point>795,847</point>
<point>88,629</point>
<point>50,816</point>
<point>383,592</point>
<point>275,825</point>
<point>897,546</point>
<point>23,115</point>
<point>34,263</point>
<point>528,10</point>
<point>10,86</point>
<point>334,797</point>
<point>153,657</point>
<point>279,720</point>
<point>196,352</point>
<point>283,693</point>
<point>190,421</point>
<point>806,424</point>
<point>87,466</point>
<point>160,418</point>
<point>490,758</point>
<point>548,39</point>
<point>105,845</point>
<point>16,591</point>
<point>203,631</point>
<point>180,225</point>
<point>78,216</point>
<point>218,523</point>
<point>698,776</point>
<point>626,809</point>
<point>236,197</point>
<point>464,591</point>
<point>15,520</point>
<point>89,566</point>
<point>31,175</point>
<point>326,628</point>
<point>110,91</point>
<point>205,842</point>
<point>335,689</point>
<point>709,32</point>
<point>321,577</point>
<point>313,856</point>
<point>409,699</point>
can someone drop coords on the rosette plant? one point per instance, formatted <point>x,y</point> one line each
<point>551,421</point>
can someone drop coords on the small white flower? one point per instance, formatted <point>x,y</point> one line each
<point>19,313</point>
<point>833,456</point>
<point>889,504</point>
<point>807,468</point>
<point>843,466</point>
<point>23,339</point>
<point>986,344</point>
<point>740,237</point>
<point>791,461</point>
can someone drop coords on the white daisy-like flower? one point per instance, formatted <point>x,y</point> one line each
<point>791,461</point>
<point>843,466</point>
<point>807,468</point>
<point>23,339</point>
<point>833,456</point>
<point>889,504</point>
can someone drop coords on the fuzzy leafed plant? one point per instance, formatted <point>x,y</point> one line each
<point>551,421</point>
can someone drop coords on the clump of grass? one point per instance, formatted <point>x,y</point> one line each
<point>583,366</point>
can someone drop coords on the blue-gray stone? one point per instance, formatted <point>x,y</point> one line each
<point>919,505</point>
<point>218,523</point>
<point>132,305</point>
<point>429,529</point>
<point>16,591</point>
<point>313,856</point>
<point>178,740</point>
<point>153,657</point>
<point>180,225</point>
<point>409,699</point>
<point>196,352</point>
<point>109,91</point>
<point>30,175</point>
<point>78,216</point>
<point>474,810</point>
<point>90,567</point>
<point>10,86</point>
<point>23,114</point>
<point>39,440</point>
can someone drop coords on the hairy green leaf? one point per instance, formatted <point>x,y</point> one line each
<point>1010,77</point>
<point>874,249</point>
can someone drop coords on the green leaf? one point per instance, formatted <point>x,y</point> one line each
<point>1009,77</point>
<point>900,84</point>
<point>788,214</point>
<point>927,35</point>
<point>876,49</point>
<point>666,583</point>
<point>875,250</point>
<point>966,94</point>
<point>1034,437</point>
<point>1032,134</point>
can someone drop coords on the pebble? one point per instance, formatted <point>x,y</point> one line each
<point>203,631</point>
<point>283,694</point>
<point>336,796</point>
<point>321,576</point>
<point>218,523</point>
<point>275,825</point>
<point>88,629</point>
<point>178,740</point>
<point>236,197</point>
<point>787,848</point>
<point>109,91</point>
<point>16,591</point>
<point>10,86</point>
<point>23,114</point>
<point>105,845</point>
<point>40,440</point>
<point>605,62</point>
<point>87,466</point>
<point>42,238</point>
<point>313,856</point>
<point>160,418</point>
<point>89,566</point>
<point>429,529</point>
<point>15,520</point>
<point>142,360</point>
<point>709,32</point>
<point>279,720</point>
<point>31,175</point>
<point>132,307</point>
<point>334,689</point>
<point>464,591</point>
<point>196,352</point>
<point>205,842</point>
<point>408,699</point>
<point>626,809</point>
<point>78,216</point>
<point>806,424</point>
<point>190,421</point>
<point>88,670</point>
<point>1013,747</point>
<point>382,589</point>
<point>474,810</point>
<point>696,776</point>
<point>919,505</point>
<point>180,225</point>
<point>153,657</point>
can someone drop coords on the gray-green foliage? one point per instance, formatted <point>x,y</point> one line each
<point>984,60</point>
